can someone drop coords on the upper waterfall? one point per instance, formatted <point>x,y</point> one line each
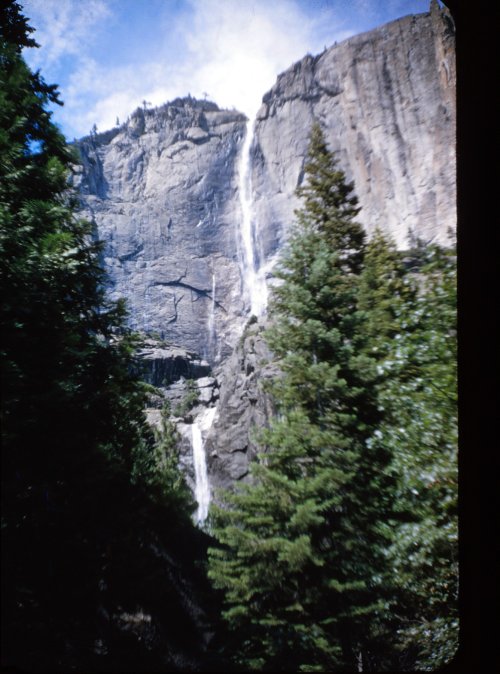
<point>250,248</point>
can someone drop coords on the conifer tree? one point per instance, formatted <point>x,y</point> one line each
<point>83,484</point>
<point>385,287</point>
<point>409,303</point>
<point>65,350</point>
<point>419,392</point>
<point>303,547</point>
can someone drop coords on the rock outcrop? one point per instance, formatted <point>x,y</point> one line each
<point>162,364</point>
<point>179,379</point>
<point>163,189</point>
<point>244,406</point>
<point>237,389</point>
<point>160,192</point>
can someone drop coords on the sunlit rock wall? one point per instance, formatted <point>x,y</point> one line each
<point>162,189</point>
<point>386,101</point>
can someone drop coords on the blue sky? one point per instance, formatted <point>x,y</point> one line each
<point>107,56</point>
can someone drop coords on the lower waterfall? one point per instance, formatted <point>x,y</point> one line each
<point>201,425</point>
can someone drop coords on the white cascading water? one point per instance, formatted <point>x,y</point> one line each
<point>253,274</point>
<point>201,426</point>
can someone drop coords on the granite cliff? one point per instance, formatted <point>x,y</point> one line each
<point>163,190</point>
<point>386,102</point>
<point>160,191</point>
<point>194,204</point>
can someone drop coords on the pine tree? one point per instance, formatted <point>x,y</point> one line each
<point>385,286</point>
<point>65,375</point>
<point>303,546</point>
<point>159,469</point>
<point>409,302</point>
<point>419,392</point>
<point>84,487</point>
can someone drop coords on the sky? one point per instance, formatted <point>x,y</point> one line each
<point>108,56</point>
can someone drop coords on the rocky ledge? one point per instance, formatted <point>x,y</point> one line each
<point>244,407</point>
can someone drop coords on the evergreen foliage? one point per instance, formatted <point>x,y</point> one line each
<point>65,373</point>
<point>93,508</point>
<point>303,549</point>
<point>162,474</point>
<point>341,554</point>
<point>420,397</point>
<point>385,288</point>
<point>410,303</point>
<point>189,400</point>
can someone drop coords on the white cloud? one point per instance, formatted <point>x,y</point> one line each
<point>227,49</point>
<point>235,50</point>
<point>63,26</point>
<point>98,95</point>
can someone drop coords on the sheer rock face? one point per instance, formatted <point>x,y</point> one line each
<point>243,408</point>
<point>162,192</point>
<point>162,189</point>
<point>386,101</point>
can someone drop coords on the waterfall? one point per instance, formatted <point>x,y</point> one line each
<point>253,273</point>
<point>201,425</point>
<point>202,489</point>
